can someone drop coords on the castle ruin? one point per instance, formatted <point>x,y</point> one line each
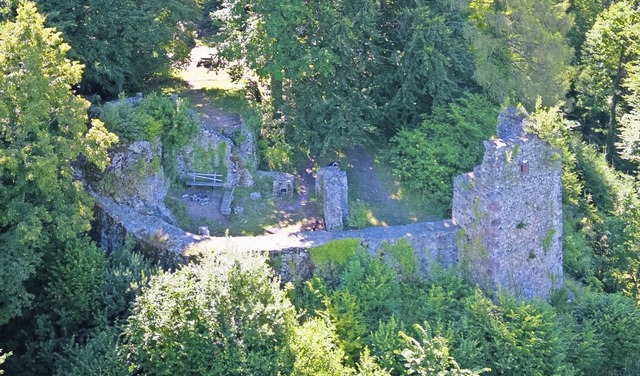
<point>506,231</point>
<point>510,213</point>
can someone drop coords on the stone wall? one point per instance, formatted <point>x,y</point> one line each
<point>510,212</point>
<point>135,177</point>
<point>332,185</point>
<point>158,240</point>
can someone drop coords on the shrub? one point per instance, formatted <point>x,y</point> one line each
<point>225,316</point>
<point>358,215</point>
<point>447,143</point>
<point>616,323</point>
<point>330,258</point>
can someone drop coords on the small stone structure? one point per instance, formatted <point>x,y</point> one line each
<point>282,182</point>
<point>510,212</point>
<point>283,185</point>
<point>332,185</point>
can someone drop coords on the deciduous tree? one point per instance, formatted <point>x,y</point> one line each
<point>520,49</point>
<point>43,129</point>
<point>610,49</point>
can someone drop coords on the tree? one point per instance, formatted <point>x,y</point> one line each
<point>123,43</point>
<point>44,130</point>
<point>610,49</point>
<point>429,355</point>
<point>447,143</point>
<point>346,72</point>
<point>225,316</point>
<point>520,49</point>
<point>629,145</point>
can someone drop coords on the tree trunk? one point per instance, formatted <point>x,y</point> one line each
<point>613,122</point>
<point>276,94</point>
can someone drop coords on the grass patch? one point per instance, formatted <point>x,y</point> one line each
<point>334,252</point>
<point>179,211</point>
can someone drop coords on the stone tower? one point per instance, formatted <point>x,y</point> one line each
<point>510,212</point>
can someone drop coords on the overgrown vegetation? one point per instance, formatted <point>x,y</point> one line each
<point>446,144</point>
<point>421,79</point>
<point>155,118</point>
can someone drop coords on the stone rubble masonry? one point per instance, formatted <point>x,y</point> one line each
<point>332,185</point>
<point>510,212</point>
<point>136,178</point>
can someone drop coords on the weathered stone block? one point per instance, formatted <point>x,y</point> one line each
<point>332,185</point>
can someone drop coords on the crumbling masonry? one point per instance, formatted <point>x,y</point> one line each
<point>510,213</point>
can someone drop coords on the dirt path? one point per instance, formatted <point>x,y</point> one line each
<point>382,198</point>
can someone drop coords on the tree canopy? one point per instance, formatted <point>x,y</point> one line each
<point>44,129</point>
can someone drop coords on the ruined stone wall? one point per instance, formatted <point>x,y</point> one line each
<point>510,212</point>
<point>506,231</point>
<point>154,237</point>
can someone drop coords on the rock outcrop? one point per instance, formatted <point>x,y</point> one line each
<point>135,178</point>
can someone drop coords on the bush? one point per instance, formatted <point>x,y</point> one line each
<point>330,258</point>
<point>358,215</point>
<point>446,144</point>
<point>128,272</point>
<point>226,316</point>
<point>616,323</point>
<point>156,117</point>
<point>99,356</point>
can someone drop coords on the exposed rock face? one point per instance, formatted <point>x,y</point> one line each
<point>332,184</point>
<point>157,239</point>
<point>510,210</point>
<point>211,151</point>
<point>136,178</point>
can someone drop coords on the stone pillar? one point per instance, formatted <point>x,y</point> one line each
<point>332,185</point>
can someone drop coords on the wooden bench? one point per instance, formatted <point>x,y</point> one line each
<point>198,179</point>
<point>227,199</point>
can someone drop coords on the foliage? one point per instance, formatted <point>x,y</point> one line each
<point>315,343</point>
<point>520,50</point>
<point>609,51</point>
<point>524,338</point>
<point>178,126</point>
<point>403,258</point>
<point>99,356</point>
<point>3,357</point>
<point>358,215</point>
<point>342,72</point>
<point>124,43</point>
<point>630,122</point>
<point>448,143</point>
<point>155,117</point>
<point>127,273</point>
<point>616,323</point>
<point>429,355</point>
<point>385,342</point>
<point>44,128</point>
<point>129,124</point>
<point>334,252</point>
<point>230,304</point>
